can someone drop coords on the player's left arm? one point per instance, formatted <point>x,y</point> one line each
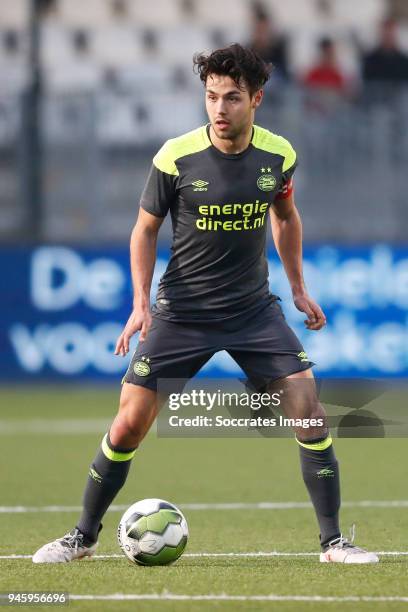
<point>287,236</point>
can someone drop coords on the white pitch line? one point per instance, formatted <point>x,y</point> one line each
<point>260,554</point>
<point>225,597</point>
<point>403,503</point>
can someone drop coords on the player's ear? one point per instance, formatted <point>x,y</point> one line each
<point>257,98</point>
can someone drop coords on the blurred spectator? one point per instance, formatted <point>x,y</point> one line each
<point>387,62</point>
<point>80,41</point>
<point>398,9</point>
<point>46,6</point>
<point>120,9</point>
<point>189,8</point>
<point>326,86</point>
<point>326,74</point>
<point>11,41</point>
<point>268,42</point>
<point>325,7</point>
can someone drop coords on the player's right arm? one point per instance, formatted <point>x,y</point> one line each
<point>155,202</point>
<point>143,244</point>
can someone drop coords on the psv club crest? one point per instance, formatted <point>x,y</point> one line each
<point>142,367</point>
<point>266,182</point>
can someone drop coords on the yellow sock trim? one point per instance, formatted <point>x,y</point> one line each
<point>114,455</point>
<point>317,446</point>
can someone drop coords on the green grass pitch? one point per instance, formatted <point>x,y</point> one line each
<point>48,438</point>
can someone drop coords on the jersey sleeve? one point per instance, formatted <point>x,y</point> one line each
<point>289,165</point>
<point>160,190</point>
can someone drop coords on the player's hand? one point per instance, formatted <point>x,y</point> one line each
<point>315,315</point>
<point>140,319</point>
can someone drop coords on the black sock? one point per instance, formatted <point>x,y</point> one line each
<point>321,476</point>
<point>107,475</point>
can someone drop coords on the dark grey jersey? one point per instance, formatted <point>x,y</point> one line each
<point>218,205</point>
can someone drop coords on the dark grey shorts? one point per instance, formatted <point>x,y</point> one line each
<point>262,344</point>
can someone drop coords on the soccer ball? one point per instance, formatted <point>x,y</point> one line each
<point>152,532</point>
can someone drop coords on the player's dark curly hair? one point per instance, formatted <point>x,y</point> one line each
<point>240,63</point>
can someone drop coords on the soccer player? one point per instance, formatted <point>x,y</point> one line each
<point>219,183</point>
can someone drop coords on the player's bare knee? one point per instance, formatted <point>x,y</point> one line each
<point>135,427</point>
<point>121,435</point>
<point>315,424</point>
<point>317,412</point>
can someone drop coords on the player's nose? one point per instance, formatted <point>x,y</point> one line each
<point>220,107</point>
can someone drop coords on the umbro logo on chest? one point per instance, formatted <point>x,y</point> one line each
<point>200,185</point>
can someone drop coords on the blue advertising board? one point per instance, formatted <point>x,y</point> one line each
<point>62,309</point>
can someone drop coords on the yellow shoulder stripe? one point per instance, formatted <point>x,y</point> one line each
<point>173,149</point>
<point>272,143</point>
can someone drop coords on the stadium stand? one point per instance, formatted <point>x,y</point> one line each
<point>117,82</point>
